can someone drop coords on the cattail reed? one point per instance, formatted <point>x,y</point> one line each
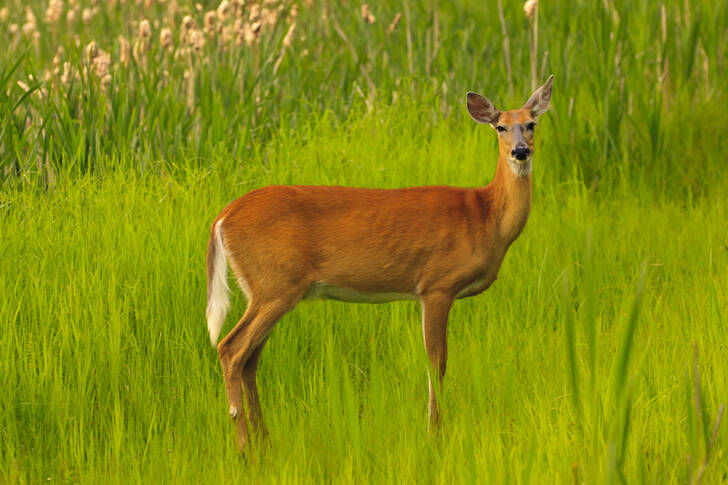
<point>209,24</point>
<point>367,15</point>
<point>395,22</point>
<point>124,50</point>
<point>288,39</point>
<point>223,11</point>
<point>29,28</point>
<point>54,11</point>
<point>165,38</point>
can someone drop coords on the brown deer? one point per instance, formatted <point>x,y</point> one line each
<point>432,244</point>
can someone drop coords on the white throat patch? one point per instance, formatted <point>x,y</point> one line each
<point>520,169</point>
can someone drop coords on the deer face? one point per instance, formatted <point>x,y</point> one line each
<point>515,128</point>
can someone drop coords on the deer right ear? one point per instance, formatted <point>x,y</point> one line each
<point>481,109</point>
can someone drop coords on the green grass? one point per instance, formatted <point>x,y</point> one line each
<point>108,372</point>
<point>597,357</point>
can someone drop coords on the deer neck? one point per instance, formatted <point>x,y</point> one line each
<point>512,190</point>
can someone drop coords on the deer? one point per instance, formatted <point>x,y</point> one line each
<point>435,244</point>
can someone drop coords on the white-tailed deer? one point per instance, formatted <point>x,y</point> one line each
<point>432,244</point>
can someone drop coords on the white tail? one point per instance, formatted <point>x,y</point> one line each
<point>218,298</point>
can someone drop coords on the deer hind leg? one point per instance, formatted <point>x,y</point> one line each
<point>250,390</point>
<point>435,311</point>
<point>239,346</point>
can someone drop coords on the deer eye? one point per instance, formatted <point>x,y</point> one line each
<point>501,129</point>
<point>531,126</point>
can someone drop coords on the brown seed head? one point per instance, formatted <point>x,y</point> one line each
<point>210,21</point>
<point>145,29</point>
<point>197,40</point>
<point>68,73</point>
<point>92,50</point>
<point>188,22</point>
<point>54,11</point>
<point>254,13</point>
<point>87,15</point>
<point>395,22</point>
<point>288,39</point>
<point>165,38</point>
<point>366,14</point>
<point>223,10</point>
<point>123,50</point>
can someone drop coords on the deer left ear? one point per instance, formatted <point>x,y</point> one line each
<point>540,100</point>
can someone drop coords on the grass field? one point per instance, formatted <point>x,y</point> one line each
<point>599,356</point>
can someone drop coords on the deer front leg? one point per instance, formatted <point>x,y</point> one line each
<point>435,311</point>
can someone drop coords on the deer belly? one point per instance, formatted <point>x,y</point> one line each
<point>327,291</point>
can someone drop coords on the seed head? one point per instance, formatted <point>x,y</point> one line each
<point>366,14</point>
<point>145,29</point>
<point>123,50</point>
<point>197,40</point>
<point>530,8</point>
<point>210,22</point>
<point>29,16</point>
<point>92,50</point>
<point>223,10</point>
<point>188,22</point>
<point>239,6</point>
<point>71,16</point>
<point>288,39</point>
<point>3,14</point>
<point>165,38</point>
<point>57,60</point>
<point>29,27</point>
<point>87,15</point>
<point>54,11</point>
<point>251,32</point>
<point>68,73</point>
<point>395,22</point>
<point>254,13</point>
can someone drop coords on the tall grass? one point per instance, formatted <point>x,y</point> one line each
<point>640,87</point>
<point>107,374</point>
<point>598,356</point>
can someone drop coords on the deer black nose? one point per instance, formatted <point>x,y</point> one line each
<point>521,152</point>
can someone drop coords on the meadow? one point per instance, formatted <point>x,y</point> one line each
<point>599,355</point>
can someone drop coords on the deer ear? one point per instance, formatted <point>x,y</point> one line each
<point>539,101</point>
<point>481,109</point>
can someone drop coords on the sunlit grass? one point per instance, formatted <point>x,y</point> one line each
<point>108,372</point>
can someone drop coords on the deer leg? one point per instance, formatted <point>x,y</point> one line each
<point>250,389</point>
<point>232,376</point>
<point>239,346</point>
<point>435,310</point>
